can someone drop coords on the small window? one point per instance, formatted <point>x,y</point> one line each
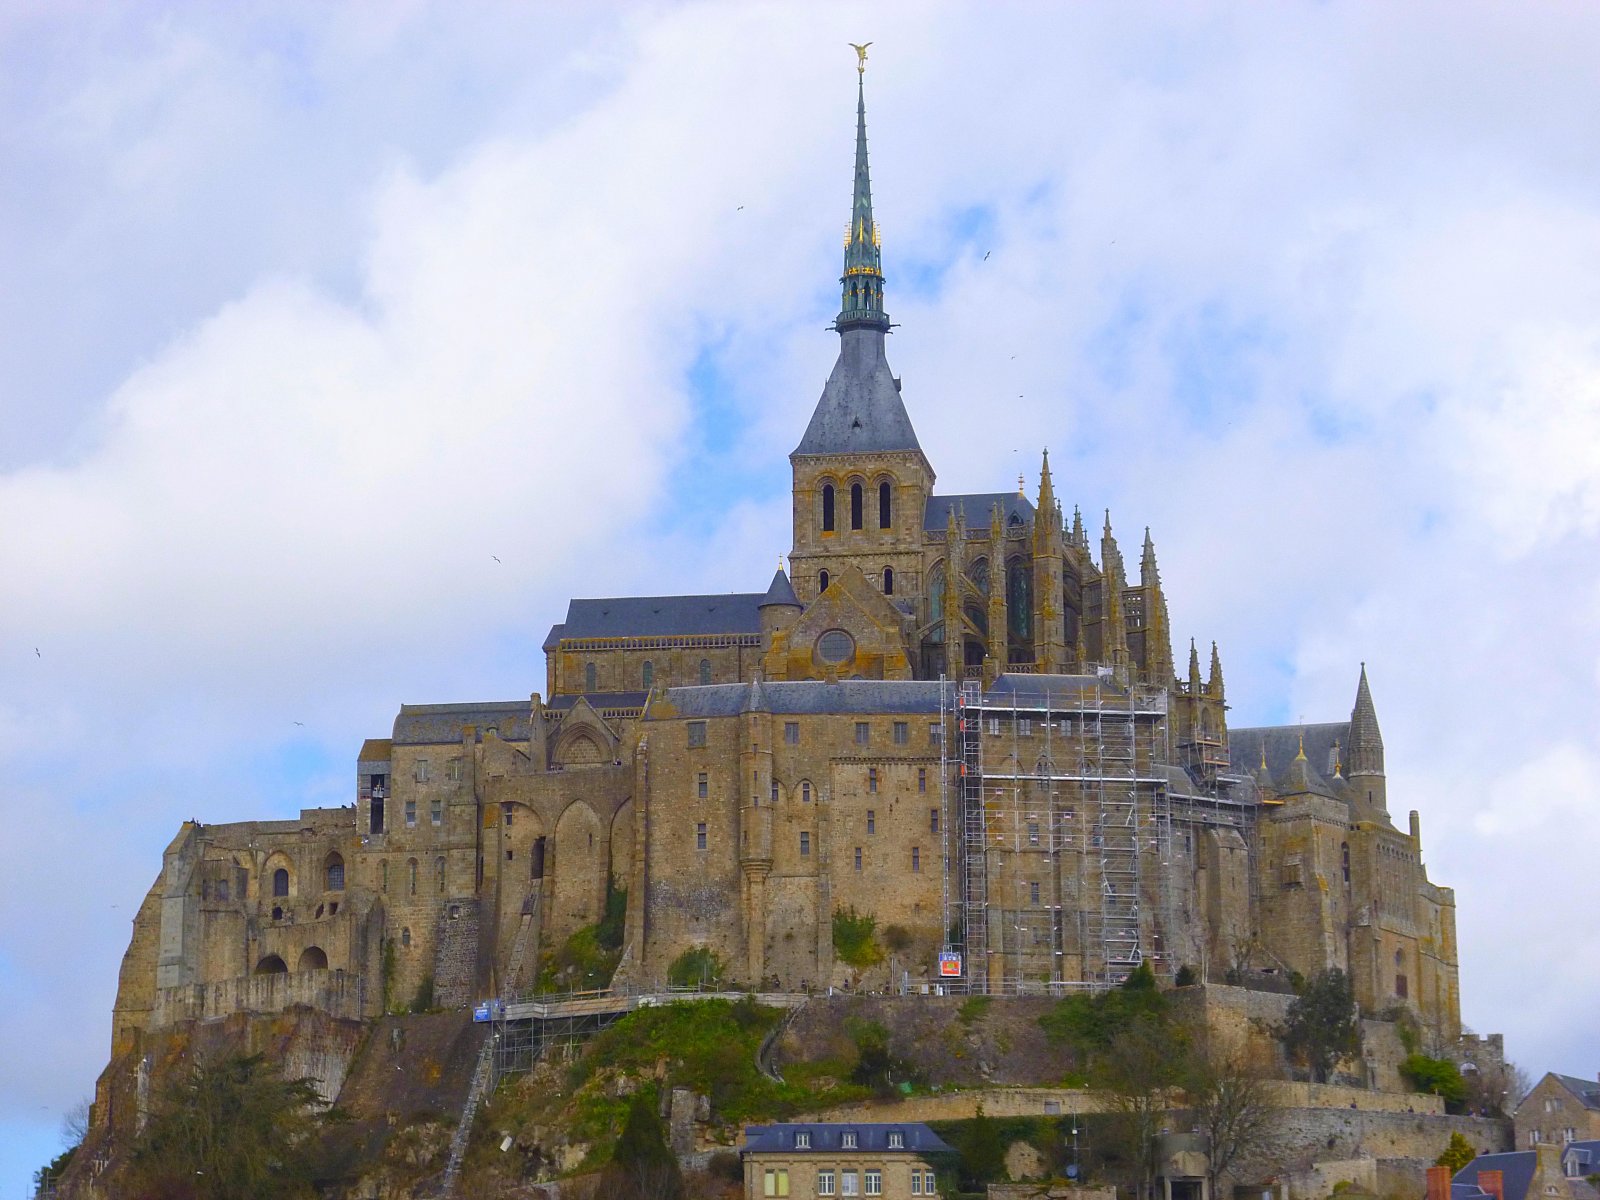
<point>822,581</point>
<point>647,674</point>
<point>847,1140</point>
<point>916,859</point>
<point>591,678</point>
<point>508,815</point>
<point>510,855</point>
<point>411,814</point>
<point>335,876</point>
<point>805,844</point>
<point>902,733</point>
<point>872,781</point>
<point>1400,986</point>
<point>453,770</point>
<point>922,781</point>
<point>858,859</point>
<point>411,876</point>
<point>849,1181</point>
<point>897,1140</point>
<point>705,672</point>
<point>827,510</point>
<point>874,1181</point>
<point>436,812</point>
<point>421,773</point>
<point>885,507</point>
<point>824,1183</point>
<point>1033,892</point>
<point>916,1178</point>
<point>222,888</point>
<point>702,785</point>
<point>1033,833</point>
<point>405,936</point>
<point>700,836</point>
<point>863,733</point>
<point>855,506</point>
<point>888,581</point>
<point>774,791</point>
<point>791,733</point>
<point>1344,853</point>
<point>697,734</point>
<point>802,1140</point>
<point>280,882</point>
<point>438,874</point>
<point>805,793</point>
<point>872,813</point>
<point>935,733</point>
<point>933,820</point>
<point>775,1181</point>
<point>1027,727</point>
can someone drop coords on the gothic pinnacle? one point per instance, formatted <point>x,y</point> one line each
<point>1214,683</point>
<point>1149,575</point>
<point>862,282</point>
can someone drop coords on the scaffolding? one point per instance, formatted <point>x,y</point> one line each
<point>1063,832</point>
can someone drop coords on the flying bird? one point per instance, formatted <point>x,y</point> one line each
<point>986,254</point>
<point>300,723</point>
<point>739,209</point>
<point>36,653</point>
<point>496,557</point>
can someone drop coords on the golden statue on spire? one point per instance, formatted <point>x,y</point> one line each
<point>861,56</point>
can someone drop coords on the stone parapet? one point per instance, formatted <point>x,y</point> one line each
<point>331,992</point>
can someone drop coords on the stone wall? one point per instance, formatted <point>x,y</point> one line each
<point>334,992</point>
<point>455,959</point>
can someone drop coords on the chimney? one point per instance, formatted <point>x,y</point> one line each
<point>1493,1182</point>
<point>1438,1183</point>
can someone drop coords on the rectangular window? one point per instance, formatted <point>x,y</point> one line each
<point>1026,727</point>
<point>916,859</point>
<point>933,820</point>
<point>872,819</point>
<point>510,855</point>
<point>1033,892</point>
<point>916,1182</point>
<point>1033,833</point>
<point>697,733</point>
<point>872,779</point>
<point>935,734</point>
<point>897,1140</point>
<point>902,733</point>
<point>824,1183</point>
<point>805,850</point>
<point>863,733</point>
<point>791,733</point>
<point>874,1183</point>
<point>455,770</point>
<point>994,726</point>
<point>922,779</point>
<point>509,815</point>
<point>421,774</point>
<point>436,812</point>
<point>700,836</point>
<point>775,1181</point>
<point>847,1140</point>
<point>849,1183</point>
<point>702,785</point>
<point>222,887</point>
<point>858,858</point>
<point>411,813</point>
<point>802,1140</point>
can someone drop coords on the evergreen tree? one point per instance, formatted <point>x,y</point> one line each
<point>1323,1026</point>
<point>643,1166</point>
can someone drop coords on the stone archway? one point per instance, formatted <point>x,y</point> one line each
<point>579,865</point>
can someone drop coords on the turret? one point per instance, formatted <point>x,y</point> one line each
<point>1049,564</point>
<point>1195,685</point>
<point>1365,755</point>
<point>779,607</point>
<point>999,632</point>
<point>1113,629</point>
<point>1156,651</point>
<point>1214,682</point>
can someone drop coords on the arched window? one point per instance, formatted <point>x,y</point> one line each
<point>438,871</point>
<point>272,965</point>
<point>805,793</point>
<point>648,674</point>
<point>280,882</point>
<point>590,678</point>
<point>1019,606</point>
<point>888,579</point>
<point>405,936</point>
<point>313,958</point>
<point>822,582</point>
<point>411,875</point>
<point>335,873</point>
<point>827,508</point>
<point>855,506</point>
<point>885,505</point>
<point>705,671</point>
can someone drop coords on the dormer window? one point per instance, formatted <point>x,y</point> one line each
<point>897,1140</point>
<point>802,1140</point>
<point>847,1140</point>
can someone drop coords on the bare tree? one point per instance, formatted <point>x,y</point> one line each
<point>1231,1096</point>
<point>1136,1073</point>
<point>75,1123</point>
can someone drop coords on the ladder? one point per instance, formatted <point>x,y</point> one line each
<point>458,1142</point>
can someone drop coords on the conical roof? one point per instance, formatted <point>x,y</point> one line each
<point>780,592</point>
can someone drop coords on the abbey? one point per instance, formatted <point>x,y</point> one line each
<point>955,715</point>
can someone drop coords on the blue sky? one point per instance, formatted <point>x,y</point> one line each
<point>308,312</point>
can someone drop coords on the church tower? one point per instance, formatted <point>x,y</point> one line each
<point>861,481</point>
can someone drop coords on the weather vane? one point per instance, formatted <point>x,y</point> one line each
<point>861,56</point>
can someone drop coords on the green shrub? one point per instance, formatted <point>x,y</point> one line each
<point>853,938</point>
<point>1187,976</point>
<point>973,1008</point>
<point>1457,1154</point>
<point>1440,1076</point>
<point>699,967</point>
<point>580,964</point>
<point>610,930</point>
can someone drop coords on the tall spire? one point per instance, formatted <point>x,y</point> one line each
<point>1149,574</point>
<point>1214,681</point>
<point>1366,742</point>
<point>862,282</point>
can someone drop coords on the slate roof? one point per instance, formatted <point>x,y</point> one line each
<point>599,701</point>
<point>374,750</point>
<point>860,411</point>
<point>1518,1167</point>
<point>1586,1090</point>
<point>1034,687</point>
<point>1282,744</point>
<point>780,591</point>
<point>826,1138</point>
<point>801,696</point>
<point>660,616</point>
<point>975,509</point>
<point>553,638</point>
<point>440,724</point>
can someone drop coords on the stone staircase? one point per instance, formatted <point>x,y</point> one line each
<point>475,1093</point>
<point>526,933</point>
